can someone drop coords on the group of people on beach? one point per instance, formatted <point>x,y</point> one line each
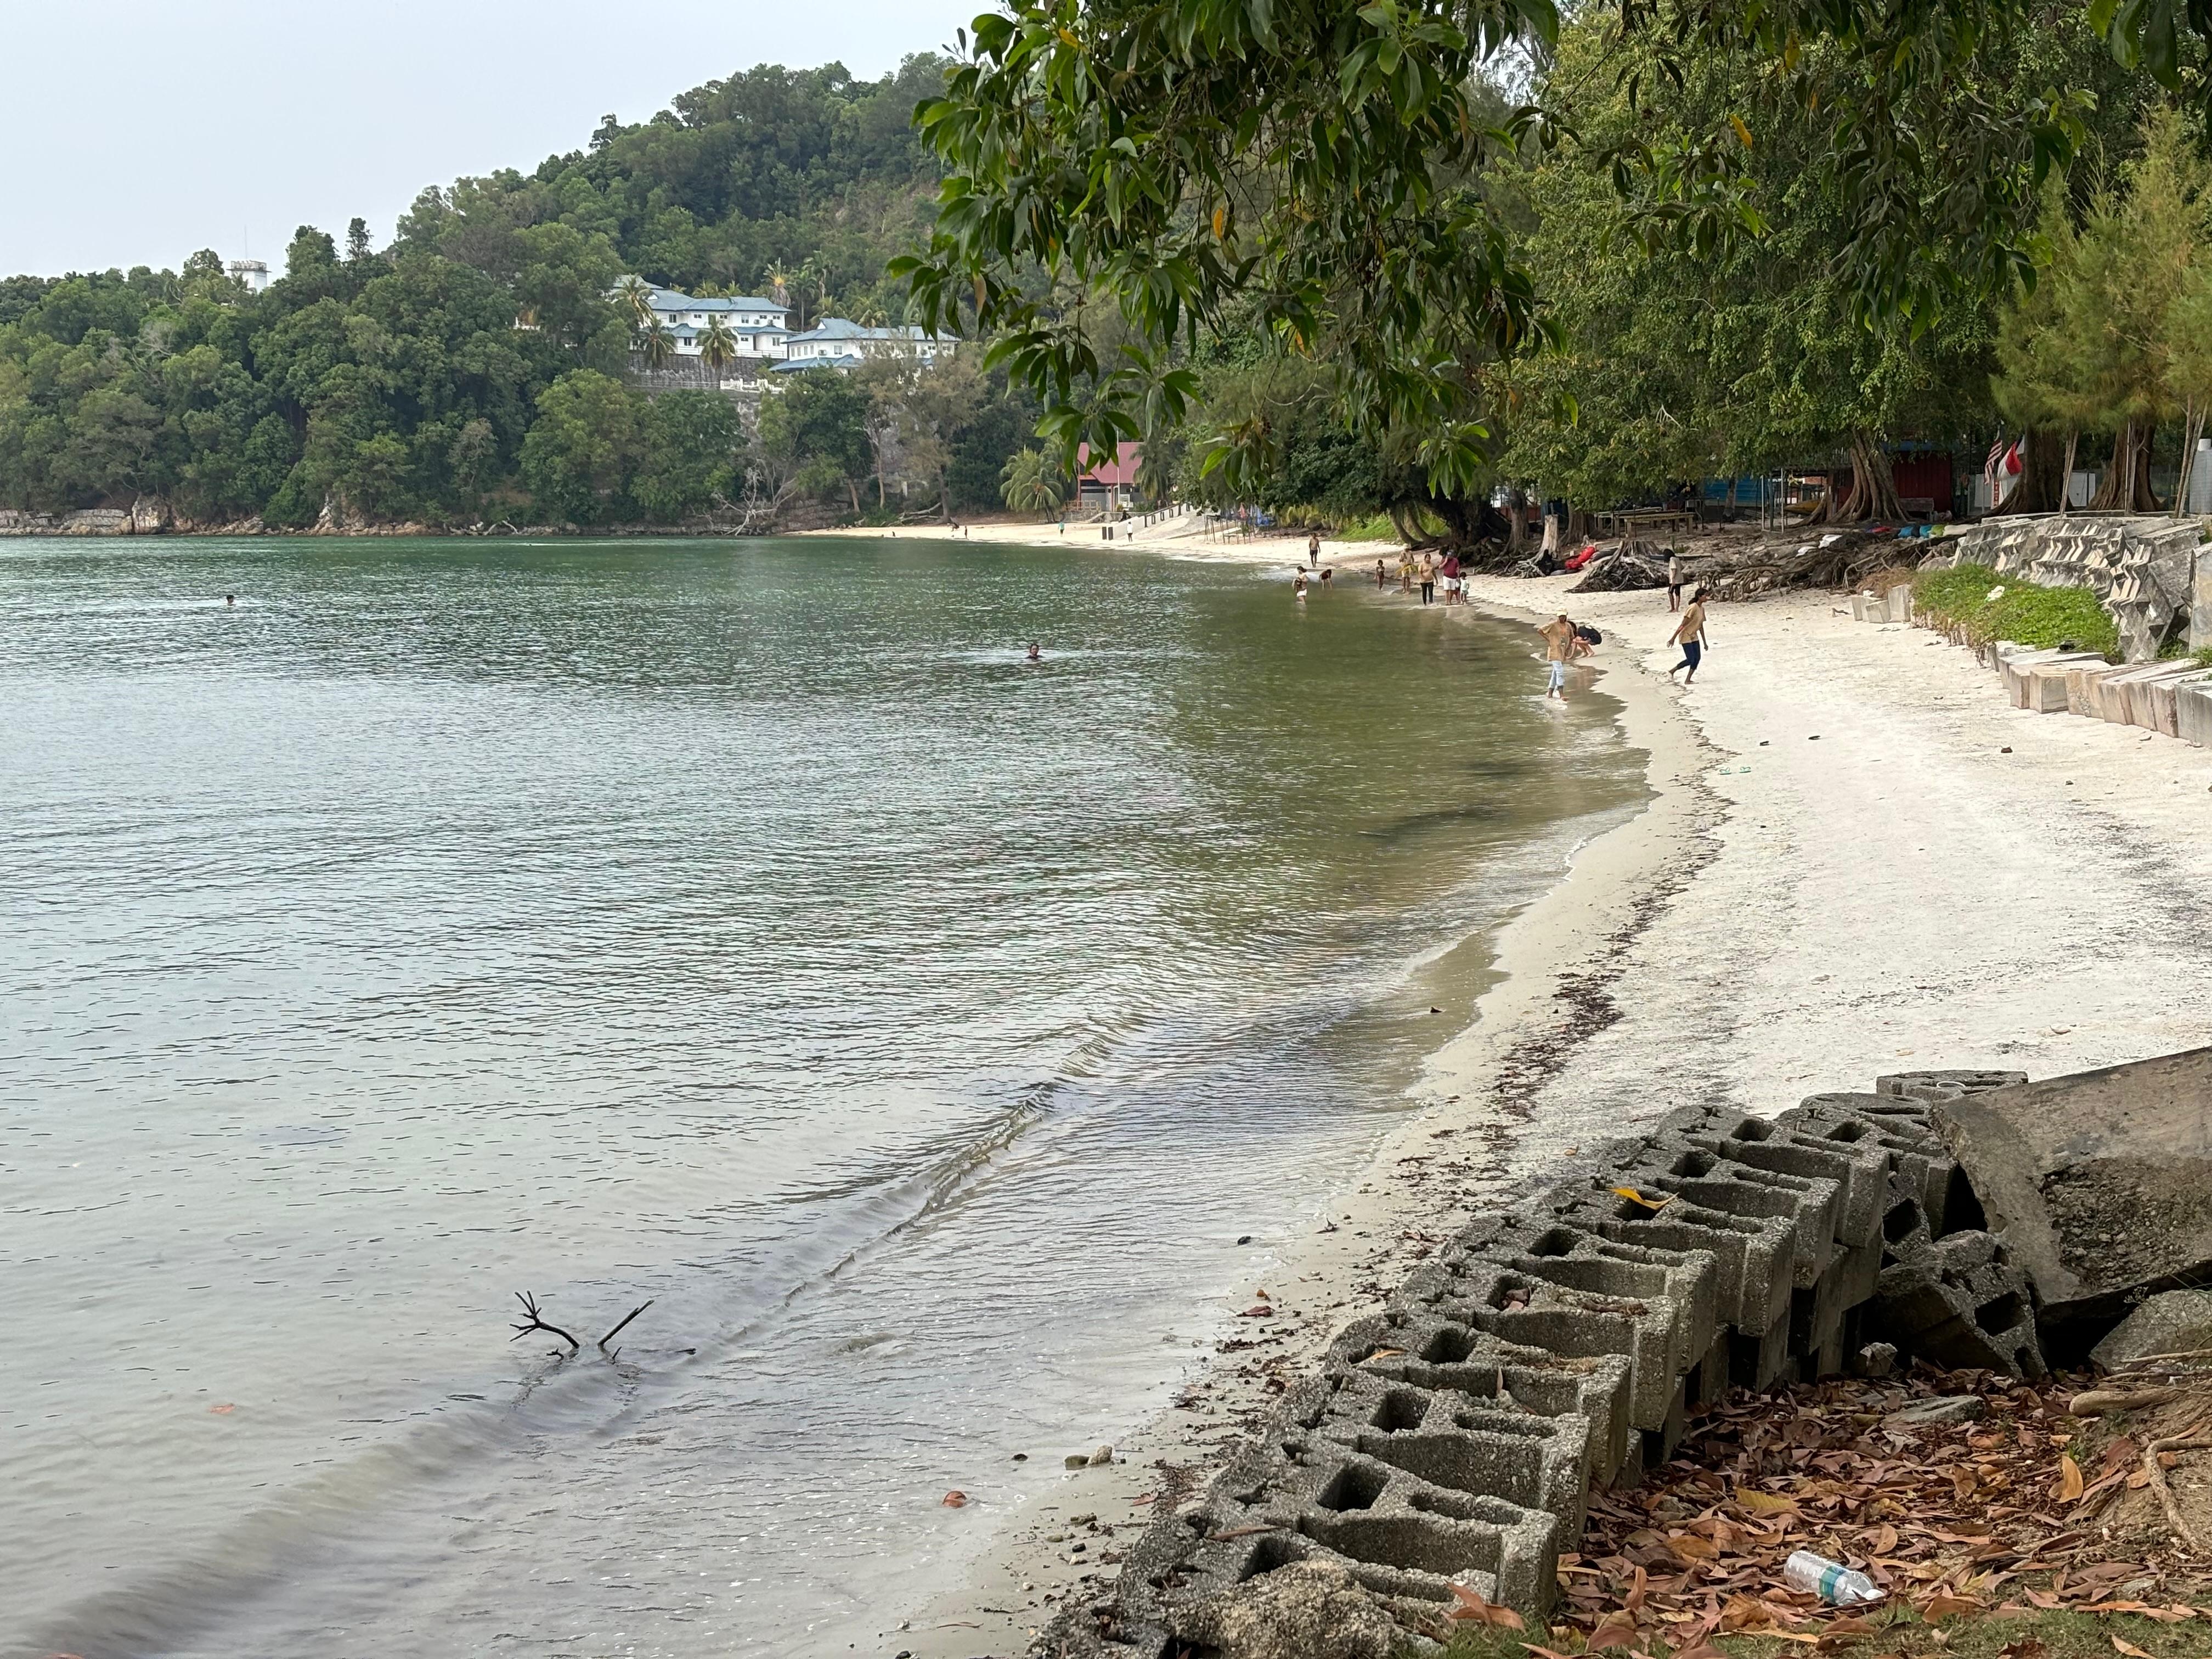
<point>1566,641</point>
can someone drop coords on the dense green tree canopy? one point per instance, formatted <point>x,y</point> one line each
<point>487,364</point>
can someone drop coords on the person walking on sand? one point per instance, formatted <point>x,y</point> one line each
<point>1559,637</point>
<point>1674,580</point>
<point>1428,578</point>
<point>1313,551</point>
<point>1690,635</point>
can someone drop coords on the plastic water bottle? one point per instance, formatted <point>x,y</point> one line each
<point>1831,1581</point>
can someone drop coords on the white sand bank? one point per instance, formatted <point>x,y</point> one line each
<point>1840,872</point>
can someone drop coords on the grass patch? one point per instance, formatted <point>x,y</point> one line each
<point>1376,527</point>
<point>2024,612</point>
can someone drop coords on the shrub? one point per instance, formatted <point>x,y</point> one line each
<point>2026,612</point>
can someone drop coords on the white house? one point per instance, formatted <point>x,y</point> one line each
<point>756,325</point>
<point>834,342</point>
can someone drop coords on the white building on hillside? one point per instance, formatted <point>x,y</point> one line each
<point>756,325</point>
<point>835,343</point>
<point>254,273</point>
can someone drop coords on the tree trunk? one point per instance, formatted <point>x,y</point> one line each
<point>1731,498</point>
<point>853,486</point>
<point>1516,511</point>
<point>2125,487</point>
<point>2192,428</point>
<point>2066,476</point>
<point>1873,487</point>
<point>1578,525</point>
<point>2042,486</point>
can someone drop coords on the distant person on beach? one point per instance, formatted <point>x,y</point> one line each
<point>1690,635</point>
<point>1428,578</point>
<point>1451,578</point>
<point>1327,571</point>
<point>1298,586</point>
<point>1405,573</point>
<point>1381,581</point>
<point>1313,551</point>
<point>1674,580</point>
<point>1557,644</point>
<point>1035,655</point>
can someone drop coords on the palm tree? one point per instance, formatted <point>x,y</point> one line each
<point>818,269</point>
<point>636,292</point>
<point>873,316</point>
<point>1028,484</point>
<point>718,347</point>
<point>657,344</point>
<point>778,278</point>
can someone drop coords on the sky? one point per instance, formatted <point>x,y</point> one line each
<point>159,127</point>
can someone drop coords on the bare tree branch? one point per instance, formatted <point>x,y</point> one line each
<point>613,1334</point>
<point>534,1321</point>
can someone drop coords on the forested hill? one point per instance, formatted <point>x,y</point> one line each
<point>772,170</point>
<point>392,382</point>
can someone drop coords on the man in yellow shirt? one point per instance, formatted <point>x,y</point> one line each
<point>1690,635</point>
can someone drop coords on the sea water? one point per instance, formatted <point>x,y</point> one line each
<point>747,928</point>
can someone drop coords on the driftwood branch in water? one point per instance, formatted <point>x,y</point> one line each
<point>616,1332</point>
<point>535,1322</point>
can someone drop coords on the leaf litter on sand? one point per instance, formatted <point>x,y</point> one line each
<point>1991,1519</point>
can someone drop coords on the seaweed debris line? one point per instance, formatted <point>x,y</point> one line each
<point>1554,1355</point>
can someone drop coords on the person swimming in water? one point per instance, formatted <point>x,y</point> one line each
<point>1035,655</point>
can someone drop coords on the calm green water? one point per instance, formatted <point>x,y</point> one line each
<point>743,928</point>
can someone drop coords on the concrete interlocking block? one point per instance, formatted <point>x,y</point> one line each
<point>1452,1438</point>
<point>1922,1170</point>
<point>1756,1256</point>
<point>1943,1084</point>
<point>1962,1303</point>
<point>1861,1171</point>
<point>1439,1354</point>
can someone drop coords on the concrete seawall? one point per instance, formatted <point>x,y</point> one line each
<point>1446,1447</point>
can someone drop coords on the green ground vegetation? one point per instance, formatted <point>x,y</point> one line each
<point>482,365</point>
<point>2023,611</point>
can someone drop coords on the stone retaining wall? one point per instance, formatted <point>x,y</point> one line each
<point>1447,1443</point>
<point>2147,571</point>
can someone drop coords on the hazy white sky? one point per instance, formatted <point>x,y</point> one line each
<point>139,130</point>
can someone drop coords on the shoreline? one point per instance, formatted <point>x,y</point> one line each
<point>1856,854</point>
<point>1458,1147</point>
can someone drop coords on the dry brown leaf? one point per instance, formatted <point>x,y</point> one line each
<point>1940,1607</point>
<point>1703,1650</point>
<point>2068,1488</point>
<point>1690,1547</point>
<point>1618,1631</point>
<point>2028,1647</point>
<point>1470,1605</point>
<point>1881,1541</point>
<point>1760,1503</point>
<point>2122,1646</point>
<point>1544,1653</point>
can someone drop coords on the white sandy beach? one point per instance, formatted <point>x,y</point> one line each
<point>1857,858</point>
